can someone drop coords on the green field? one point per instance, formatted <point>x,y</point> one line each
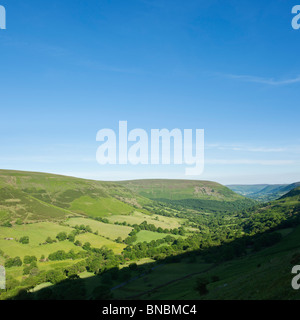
<point>99,207</point>
<point>110,231</point>
<point>158,221</point>
<point>148,236</point>
<point>99,242</point>
<point>38,233</point>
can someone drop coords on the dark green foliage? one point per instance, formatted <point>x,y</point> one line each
<point>13,262</point>
<point>29,259</point>
<point>49,240</point>
<point>24,240</point>
<point>55,276</point>
<point>7,224</point>
<point>213,206</point>
<point>61,236</point>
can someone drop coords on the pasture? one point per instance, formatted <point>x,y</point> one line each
<point>97,241</point>
<point>99,207</point>
<point>104,229</point>
<point>157,220</point>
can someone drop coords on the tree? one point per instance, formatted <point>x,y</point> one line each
<point>55,276</point>
<point>7,224</point>
<point>61,236</point>
<point>86,246</point>
<point>119,240</point>
<point>71,237</point>
<point>29,259</point>
<point>19,221</point>
<point>49,240</point>
<point>78,243</point>
<point>24,240</point>
<point>13,262</point>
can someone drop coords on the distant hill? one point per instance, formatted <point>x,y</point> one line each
<point>263,192</point>
<point>292,195</point>
<point>198,195</point>
<point>34,196</point>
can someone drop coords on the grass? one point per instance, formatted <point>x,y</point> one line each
<point>99,207</point>
<point>158,221</point>
<point>38,233</point>
<point>99,242</point>
<point>104,229</point>
<point>160,275</point>
<point>148,236</point>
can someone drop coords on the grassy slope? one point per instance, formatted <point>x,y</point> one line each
<point>35,196</point>
<point>181,189</point>
<point>262,275</point>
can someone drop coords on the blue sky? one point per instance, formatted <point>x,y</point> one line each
<point>70,68</point>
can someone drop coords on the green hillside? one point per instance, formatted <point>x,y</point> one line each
<point>35,196</point>
<point>193,194</point>
<point>181,189</point>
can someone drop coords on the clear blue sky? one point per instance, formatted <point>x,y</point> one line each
<point>70,68</point>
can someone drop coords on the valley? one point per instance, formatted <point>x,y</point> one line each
<point>68,238</point>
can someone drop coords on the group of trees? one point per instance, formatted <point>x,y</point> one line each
<point>62,255</point>
<point>13,262</point>
<point>30,265</point>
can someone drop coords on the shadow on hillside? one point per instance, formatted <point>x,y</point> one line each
<point>102,286</point>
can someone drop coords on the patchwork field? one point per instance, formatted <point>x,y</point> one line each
<point>138,218</point>
<point>98,242</point>
<point>110,231</point>
<point>37,233</point>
